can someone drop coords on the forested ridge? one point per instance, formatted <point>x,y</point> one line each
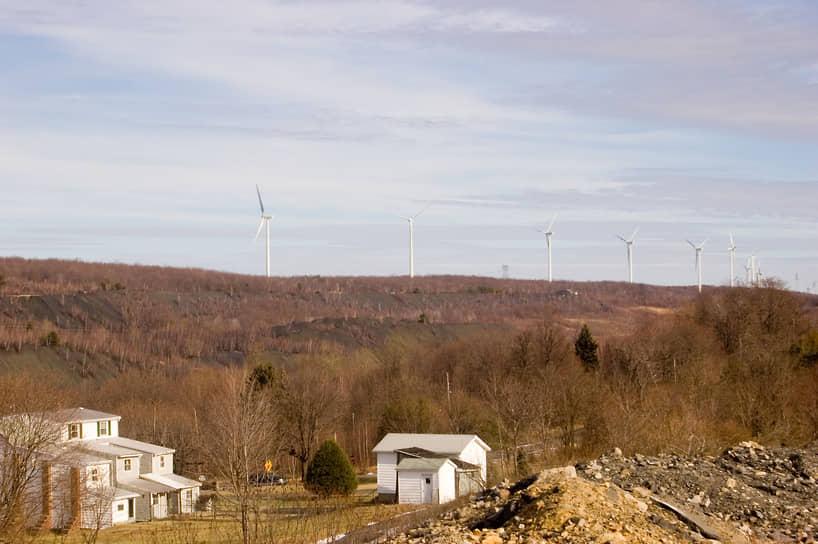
<point>659,368</point>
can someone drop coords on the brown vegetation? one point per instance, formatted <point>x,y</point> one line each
<point>676,371</point>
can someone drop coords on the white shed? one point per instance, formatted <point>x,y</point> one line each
<point>466,451</point>
<point>426,481</point>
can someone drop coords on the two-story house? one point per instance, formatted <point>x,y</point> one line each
<point>90,476</point>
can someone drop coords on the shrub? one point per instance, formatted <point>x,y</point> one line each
<point>50,339</point>
<point>586,349</point>
<point>330,472</point>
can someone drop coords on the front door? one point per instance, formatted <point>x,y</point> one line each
<point>426,487</point>
<point>130,509</point>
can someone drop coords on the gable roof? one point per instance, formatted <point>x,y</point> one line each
<point>451,444</point>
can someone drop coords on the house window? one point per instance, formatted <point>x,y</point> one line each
<point>120,507</point>
<point>162,461</point>
<point>74,431</point>
<point>154,498</point>
<point>103,428</point>
<point>127,465</point>
<point>189,495</point>
<point>94,475</point>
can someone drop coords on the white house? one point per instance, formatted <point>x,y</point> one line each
<point>429,468</point>
<point>89,476</point>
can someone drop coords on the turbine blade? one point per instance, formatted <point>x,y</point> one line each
<point>426,207</point>
<point>634,234</point>
<point>551,224</point>
<point>260,224</point>
<point>260,203</point>
<point>704,242</point>
<point>732,244</point>
<point>692,244</point>
<point>621,238</point>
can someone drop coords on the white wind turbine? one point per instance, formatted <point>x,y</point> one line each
<point>548,232</point>
<point>264,219</point>
<point>753,269</point>
<point>411,221</point>
<point>748,270</point>
<point>732,250</point>
<point>698,249</point>
<point>629,243</point>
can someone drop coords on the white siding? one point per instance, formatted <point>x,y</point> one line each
<point>387,475</point>
<point>445,484</point>
<point>96,496</point>
<point>114,427</point>
<point>33,495</point>
<point>123,475</point>
<point>157,467</point>
<point>89,430</point>
<point>60,496</point>
<point>410,487</point>
<point>476,455</point>
<point>120,511</point>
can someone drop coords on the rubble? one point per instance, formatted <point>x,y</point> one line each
<point>767,493</point>
<point>747,494</point>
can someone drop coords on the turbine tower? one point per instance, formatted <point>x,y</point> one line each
<point>548,232</point>
<point>629,243</point>
<point>732,250</point>
<point>265,219</point>
<point>698,249</point>
<point>411,221</point>
<point>753,269</point>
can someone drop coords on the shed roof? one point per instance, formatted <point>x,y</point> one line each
<point>171,480</point>
<point>422,464</point>
<point>438,443</point>
<point>143,486</point>
<point>80,415</point>
<point>120,494</point>
<point>103,446</point>
<point>138,446</point>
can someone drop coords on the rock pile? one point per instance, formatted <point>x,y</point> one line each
<point>747,494</point>
<point>557,506</point>
<point>766,492</point>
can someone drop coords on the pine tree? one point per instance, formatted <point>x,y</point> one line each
<point>330,472</point>
<point>586,349</point>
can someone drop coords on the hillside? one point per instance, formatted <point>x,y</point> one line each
<point>663,369</point>
<point>140,315</point>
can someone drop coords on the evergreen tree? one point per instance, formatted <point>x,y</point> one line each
<point>330,472</point>
<point>586,349</point>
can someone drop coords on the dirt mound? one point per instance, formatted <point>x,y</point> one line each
<point>557,506</point>
<point>767,493</point>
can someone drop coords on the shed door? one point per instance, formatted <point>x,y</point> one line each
<point>426,488</point>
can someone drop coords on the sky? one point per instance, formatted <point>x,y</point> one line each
<point>136,131</point>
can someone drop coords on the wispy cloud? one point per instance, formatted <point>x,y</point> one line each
<point>685,113</point>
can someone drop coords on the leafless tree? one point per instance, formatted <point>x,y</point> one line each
<point>27,435</point>
<point>307,405</point>
<point>239,431</point>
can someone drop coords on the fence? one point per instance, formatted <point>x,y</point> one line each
<point>386,529</point>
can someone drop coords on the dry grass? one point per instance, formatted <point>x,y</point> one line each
<point>286,516</point>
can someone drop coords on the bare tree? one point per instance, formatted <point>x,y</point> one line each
<point>239,431</point>
<point>26,437</point>
<point>98,496</point>
<point>307,403</point>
